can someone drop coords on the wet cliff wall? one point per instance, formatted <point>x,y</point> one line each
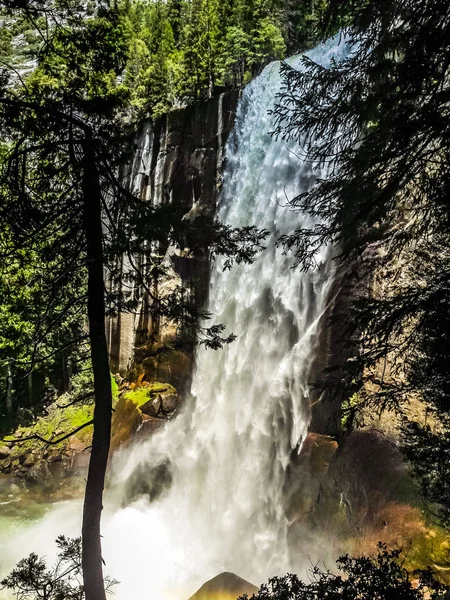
<point>178,161</point>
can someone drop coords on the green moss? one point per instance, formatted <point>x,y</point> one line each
<point>143,394</point>
<point>114,390</point>
<point>60,421</point>
<point>77,416</point>
<point>139,396</point>
<point>56,423</point>
<point>157,388</point>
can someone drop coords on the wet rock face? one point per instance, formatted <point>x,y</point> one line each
<point>334,349</point>
<point>148,483</point>
<point>164,404</point>
<point>305,474</point>
<point>178,161</point>
<point>126,420</point>
<point>174,366</point>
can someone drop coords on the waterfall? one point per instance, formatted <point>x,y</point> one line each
<point>223,459</point>
<point>216,472</point>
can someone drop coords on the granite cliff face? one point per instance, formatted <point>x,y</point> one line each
<point>178,161</point>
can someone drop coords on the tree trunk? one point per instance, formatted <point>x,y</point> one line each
<point>93,505</point>
<point>30,389</point>
<point>9,391</point>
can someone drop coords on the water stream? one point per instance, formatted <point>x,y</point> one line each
<point>223,459</point>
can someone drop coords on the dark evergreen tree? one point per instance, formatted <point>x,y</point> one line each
<point>379,119</point>
<point>32,579</point>
<point>379,578</point>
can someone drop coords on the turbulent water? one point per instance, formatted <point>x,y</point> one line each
<point>220,465</point>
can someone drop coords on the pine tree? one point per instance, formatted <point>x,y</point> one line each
<point>379,119</point>
<point>380,577</point>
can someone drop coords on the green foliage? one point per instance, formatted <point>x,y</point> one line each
<point>32,579</point>
<point>27,343</point>
<point>348,408</point>
<point>268,42</point>
<point>429,452</point>
<point>43,273</point>
<point>382,577</point>
<point>71,411</point>
<point>54,424</point>
<point>432,548</point>
<point>114,389</point>
<point>180,50</point>
<point>177,51</point>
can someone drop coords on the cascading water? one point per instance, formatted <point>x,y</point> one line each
<point>219,466</point>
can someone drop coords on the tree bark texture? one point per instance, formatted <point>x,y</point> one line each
<point>9,391</point>
<point>93,501</point>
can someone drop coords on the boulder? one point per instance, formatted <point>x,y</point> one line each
<point>152,408</point>
<point>4,452</point>
<point>173,366</point>
<point>162,403</point>
<point>148,427</point>
<point>54,458</point>
<point>151,482</point>
<point>5,466</point>
<point>14,489</point>
<point>317,450</point>
<point>170,402</point>
<point>29,460</point>
<point>226,586</point>
<point>305,474</point>
<point>38,475</point>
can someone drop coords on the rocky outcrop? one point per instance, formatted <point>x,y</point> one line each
<point>335,349</point>
<point>226,586</point>
<point>56,473</point>
<point>126,420</point>
<point>140,410</point>
<point>305,474</point>
<point>178,161</point>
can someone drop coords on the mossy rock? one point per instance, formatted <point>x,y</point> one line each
<point>154,399</point>
<point>144,392</point>
<point>132,409</point>
<point>126,420</point>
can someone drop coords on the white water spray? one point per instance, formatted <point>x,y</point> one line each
<point>224,458</point>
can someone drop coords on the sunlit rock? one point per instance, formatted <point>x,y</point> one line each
<point>125,422</point>
<point>226,586</point>
<point>4,452</point>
